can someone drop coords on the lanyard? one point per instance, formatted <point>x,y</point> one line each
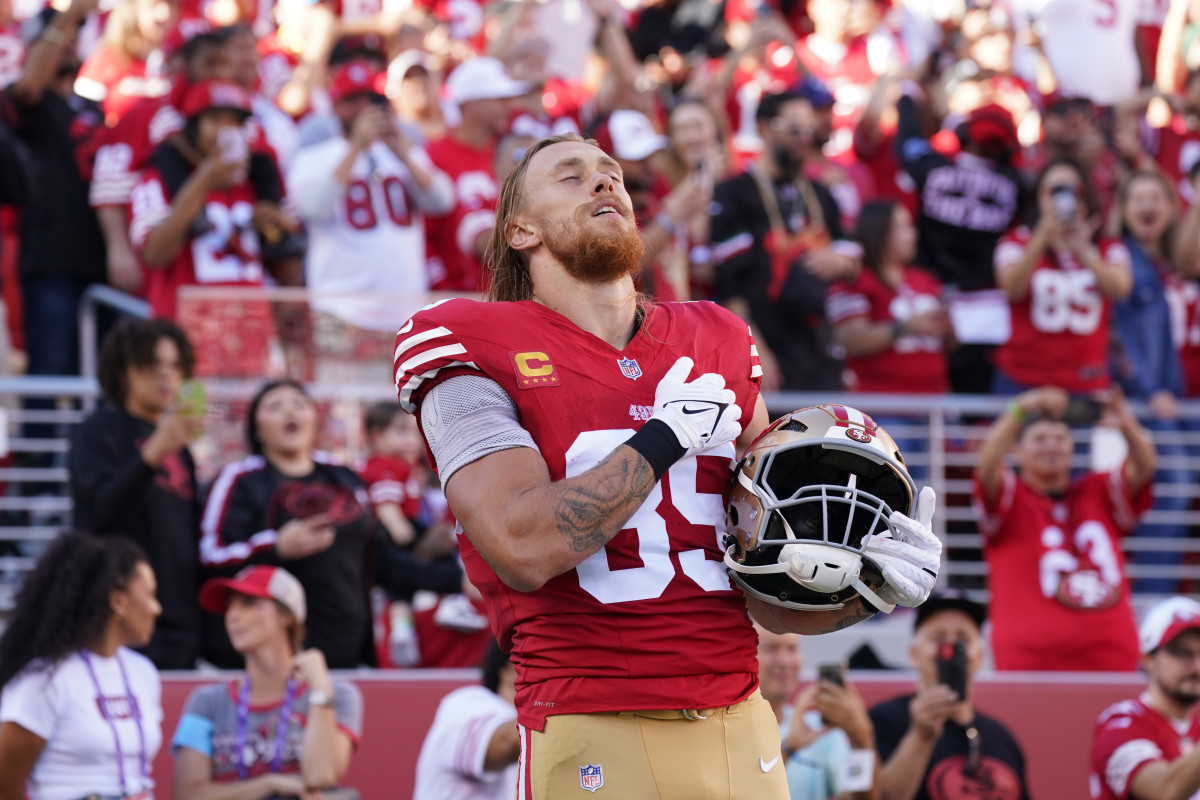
<point>134,710</point>
<point>243,715</point>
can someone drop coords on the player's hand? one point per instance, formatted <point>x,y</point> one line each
<point>301,538</point>
<point>929,710</point>
<point>371,125</point>
<point>310,668</point>
<point>701,413</point>
<point>172,433</point>
<point>909,554</point>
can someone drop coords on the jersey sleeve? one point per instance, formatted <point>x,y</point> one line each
<point>846,301</point>
<point>1124,505</point>
<point>431,347</point>
<point>113,176</point>
<point>991,516</point>
<point>148,207</point>
<point>1121,749</point>
<point>1009,251</point>
<point>348,709</point>
<point>198,721</point>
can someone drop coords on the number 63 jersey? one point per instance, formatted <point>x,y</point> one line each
<point>650,621</point>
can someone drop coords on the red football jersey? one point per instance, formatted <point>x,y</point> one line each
<point>126,147</point>
<point>117,83</point>
<point>276,63</point>
<point>1060,600</point>
<point>1060,327</point>
<point>1183,299</point>
<point>449,239</point>
<point>650,621</point>
<point>447,648</point>
<point>1128,736</point>
<point>913,364</point>
<point>12,52</point>
<point>1178,152</point>
<point>225,256</point>
<point>393,480</point>
<point>890,181</point>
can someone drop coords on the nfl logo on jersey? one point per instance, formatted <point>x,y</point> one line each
<point>591,777</point>
<point>629,368</point>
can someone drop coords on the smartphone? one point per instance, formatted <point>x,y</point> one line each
<point>834,673</point>
<point>1082,411</point>
<point>952,667</point>
<point>193,402</point>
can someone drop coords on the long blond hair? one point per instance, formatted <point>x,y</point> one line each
<point>507,268</point>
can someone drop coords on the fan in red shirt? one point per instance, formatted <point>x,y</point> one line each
<point>129,64</point>
<point>890,319</point>
<point>1060,598</point>
<point>455,242</point>
<point>1061,286</point>
<point>1146,747</point>
<point>161,225</point>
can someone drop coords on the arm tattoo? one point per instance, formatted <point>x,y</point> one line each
<point>856,615</point>
<point>590,514</point>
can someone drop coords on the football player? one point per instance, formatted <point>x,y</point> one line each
<point>584,439</point>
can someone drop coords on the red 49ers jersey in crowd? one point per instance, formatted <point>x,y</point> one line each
<point>1178,152</point>
<point>124,148</point>
<point>393,480</point>
<point>1060,327</point>
<point>226,255</point>
<point>117,84</point>
<point>651,620</point>
<point>1183,299</point>
<point>449,240</point>
<point>913,363</point>
<point>1128,736</point>
<point>1060,600</point>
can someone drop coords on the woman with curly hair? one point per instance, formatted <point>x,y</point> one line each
<point>80,713</point>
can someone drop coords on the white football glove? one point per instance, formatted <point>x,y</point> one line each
<point>909,555</point>
<point>702,413</point>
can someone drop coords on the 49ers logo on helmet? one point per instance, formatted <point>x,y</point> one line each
<point>859,435</point>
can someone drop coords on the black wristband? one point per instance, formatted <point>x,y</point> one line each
<point>657,443</point>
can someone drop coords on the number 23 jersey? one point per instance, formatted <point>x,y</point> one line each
<point>650,621</point>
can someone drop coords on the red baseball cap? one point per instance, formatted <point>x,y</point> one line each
<point>208,95</point>
<point>1166,621</point>
<point>273,582</point>
<point>357,77</point>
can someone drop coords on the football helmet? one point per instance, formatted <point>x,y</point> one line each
<point>806,497</point>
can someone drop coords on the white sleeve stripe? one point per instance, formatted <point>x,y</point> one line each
<point>756,371</point>
<point>212,551</point>
<point>431,355</point>
<point>420,338</point>
<point>1125,760</point>
<point>753,351</point>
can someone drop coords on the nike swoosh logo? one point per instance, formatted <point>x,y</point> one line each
<point>687,410</point>
<point>767,766</point>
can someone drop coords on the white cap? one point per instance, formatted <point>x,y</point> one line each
<point>1166,621</point>
<point>483,79</point>
<point>631,136</point>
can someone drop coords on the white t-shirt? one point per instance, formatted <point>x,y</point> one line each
<point>450,766</point>
<point>1075,31</point>
<point>61,706</point>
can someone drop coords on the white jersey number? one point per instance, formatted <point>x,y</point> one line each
<point>1065,302</point>
<point>650,580</point>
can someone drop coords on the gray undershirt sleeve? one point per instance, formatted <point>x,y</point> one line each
<point>468,417</point>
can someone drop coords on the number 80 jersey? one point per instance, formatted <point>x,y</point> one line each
<point>651,620</point>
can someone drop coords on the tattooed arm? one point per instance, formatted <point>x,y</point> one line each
<point>810,623</point>
<point>530,529</point>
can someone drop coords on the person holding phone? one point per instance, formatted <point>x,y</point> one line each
<point>1061,281</point>
<point>1060,599</point>
<point>934,742</point>
<point>133,476</point>
<point>824,727</point>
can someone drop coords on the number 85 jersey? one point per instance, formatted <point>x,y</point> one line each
<point>650,621</point>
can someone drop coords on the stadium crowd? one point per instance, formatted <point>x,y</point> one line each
<point>897,197</point>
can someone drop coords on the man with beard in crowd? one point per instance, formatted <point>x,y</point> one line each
<point>776,245</point>
<point>1145,748</point>
<point>572,410</point>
